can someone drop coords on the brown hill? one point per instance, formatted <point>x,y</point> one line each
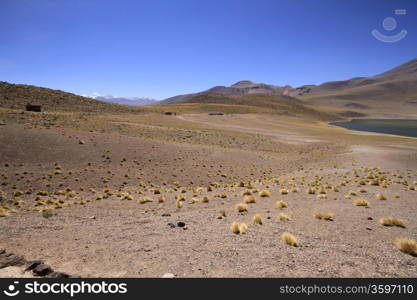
<point>16,96</point>
<point>394,89</point>
<point>276,104</point>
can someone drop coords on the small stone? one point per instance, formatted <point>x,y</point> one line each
<point>370,218</point>
<point>166,215</point>
<point>368,228</point>
<point>168,275</point>
<point>180,224</point>
<point>171,225</point>
<point>33,264</point>
<point>219,217</point>
<point>42,270</point>
<point>81,142</point>
<point>93,217</point>
<point>185,228</point>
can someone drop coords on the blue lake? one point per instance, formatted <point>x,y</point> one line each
<point>404,127</point>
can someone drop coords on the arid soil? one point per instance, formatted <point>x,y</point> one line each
<point>143,195</point>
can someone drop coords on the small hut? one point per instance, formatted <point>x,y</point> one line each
<point>32,107</point>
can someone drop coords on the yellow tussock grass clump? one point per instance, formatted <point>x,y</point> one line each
<point>322,191</point>
<point>283,191</point>
<point>281,204</point>
<point>4,212</point>
<point>161,199</point>
<point>380,197</point>
<point>289,239</point>
<point>249,199</point>
<point>284,217</point>
<point>241,207</point>
<point>361,202</point>
<point>180,197</point>
<point>194,200</point>
<point>321,196</point>
<point>178,203</point>
<point>264,193</point>
<point>246,192</point>
<point>257,219</point>
<point>143,200</point>
<point>390,221</point>
<point>408,246</point>
<point>205,199</point>
<point>243,228</point>
<point>311,191</point>
<point>324,216</point>
<point>238,228</point>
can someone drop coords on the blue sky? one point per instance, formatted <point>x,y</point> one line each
<point>162,48</point>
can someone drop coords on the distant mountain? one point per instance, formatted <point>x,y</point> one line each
<point>398,84</point>
<point>239,88</point>
<point>135,101</point>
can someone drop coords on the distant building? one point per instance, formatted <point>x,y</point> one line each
<point>31,107</point>
<point>169,113</point>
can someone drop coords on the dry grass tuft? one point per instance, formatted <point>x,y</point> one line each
<point>241,207</point>
<point>178,203</point>
<point>143,200</point>
<point>4,212</point>
<point>257,219</point>
<point>238,228</point>
<point>324,216</point>
<point>380,197</point>
<point>311,191</point>
<point>289,239</point>
<point>408,246</point>
<point>390,221</point>
<point>281,204</point>
<point>284,217</point>
<point>242,228</point>
<point>235,227</point>
<point>222,213</point>
<point>194,200</point>
<point>361,202</point>
<point>246,192</point>
<point>283,191</point>
<point>321,196</point>
<point>264,193</point>
<point>249,199</point>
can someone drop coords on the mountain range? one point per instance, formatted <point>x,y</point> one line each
<point>135,101</point>
<point>398,84</point>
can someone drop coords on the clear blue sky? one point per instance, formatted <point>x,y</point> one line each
<point>161,48</point>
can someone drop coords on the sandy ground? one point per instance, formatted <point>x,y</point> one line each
<point>95,230</point>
